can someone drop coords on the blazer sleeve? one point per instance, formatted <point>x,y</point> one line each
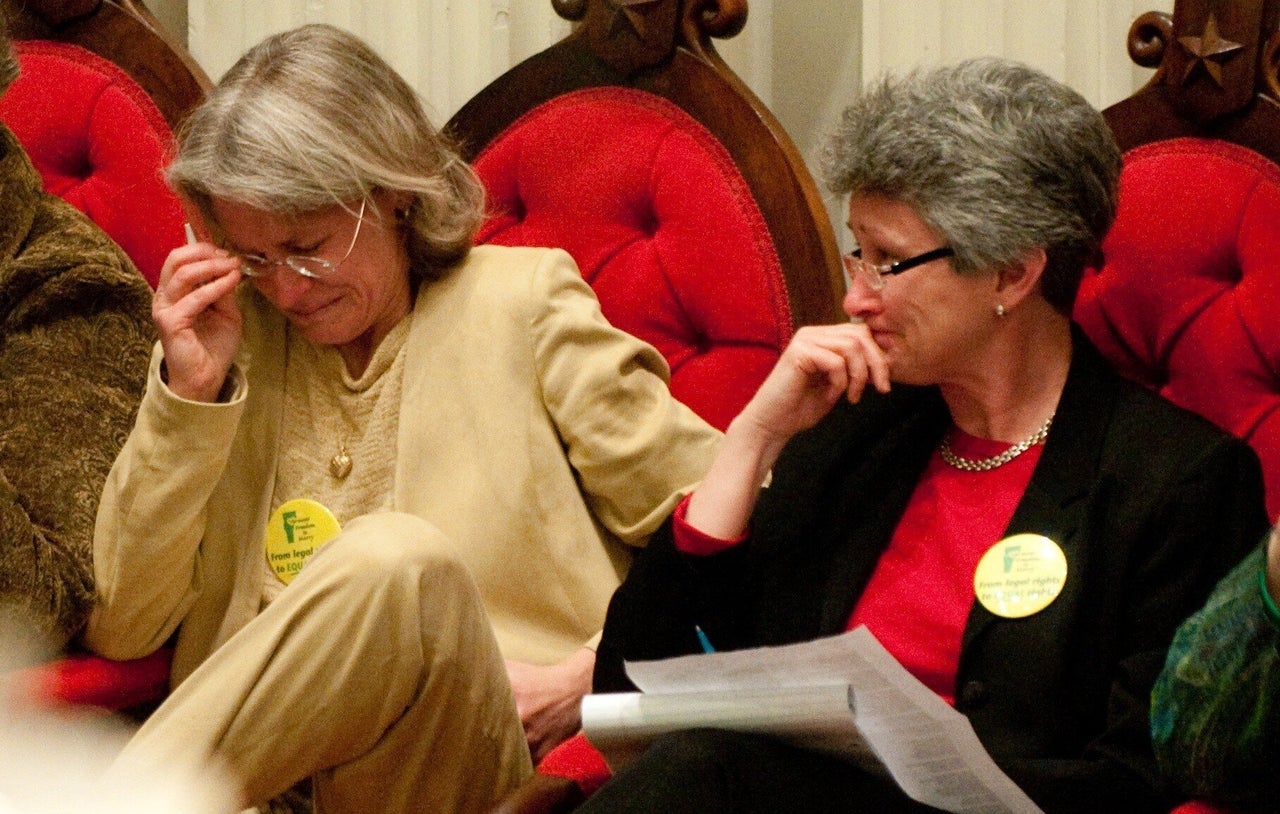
<point>636,449</point>
<point>153,515</point>
<point>666,594</point>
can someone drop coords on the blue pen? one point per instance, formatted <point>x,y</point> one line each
<point>703,640</point>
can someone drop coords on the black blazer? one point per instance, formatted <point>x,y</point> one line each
<point>1150,503</point>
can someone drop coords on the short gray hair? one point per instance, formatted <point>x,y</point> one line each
<point>313,117</point>
<point>996,157</point>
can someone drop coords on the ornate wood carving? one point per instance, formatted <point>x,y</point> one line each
<point>1210,51</point>
<point>1216,76</point>
<point>1219,51</point>
<point>632,35</point>
<point>1149,36</point>
<point>1271,65</point>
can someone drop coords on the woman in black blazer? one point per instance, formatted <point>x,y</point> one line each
<point>956,409</point>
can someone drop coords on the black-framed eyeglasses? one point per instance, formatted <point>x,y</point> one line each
<point>256,266</point>
<point>874,275</point>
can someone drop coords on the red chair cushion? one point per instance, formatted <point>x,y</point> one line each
<point>100,143</point>
<point>87,680</point>
<point>577,760</point>
<point>1200,807</point>
<point>1187,299</point>
<point>661,224</point>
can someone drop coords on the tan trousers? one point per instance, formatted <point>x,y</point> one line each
<point>375,672</point>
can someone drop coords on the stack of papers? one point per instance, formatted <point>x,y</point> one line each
<point>844,695</point>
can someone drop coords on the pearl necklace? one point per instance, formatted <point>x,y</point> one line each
<point>987,464</point>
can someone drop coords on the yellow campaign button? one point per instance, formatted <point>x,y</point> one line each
<point>1020,575</point>
<point>295,531</point>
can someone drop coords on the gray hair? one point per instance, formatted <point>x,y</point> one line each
<point>8,62</point>
<point>314,117</point>
<point>996,157</point>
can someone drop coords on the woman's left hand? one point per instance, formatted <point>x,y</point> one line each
<point>549,699</point>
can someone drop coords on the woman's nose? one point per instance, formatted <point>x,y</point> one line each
<point>861,300</point>
<point>285,287</point>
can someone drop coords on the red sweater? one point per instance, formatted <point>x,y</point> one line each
<point>920,593</point>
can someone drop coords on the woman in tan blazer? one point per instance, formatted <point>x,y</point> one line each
<point>372,462</point>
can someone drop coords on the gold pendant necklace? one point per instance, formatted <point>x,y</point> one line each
<point>340,464</point>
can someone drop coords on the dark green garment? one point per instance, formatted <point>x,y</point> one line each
<point>1215,710</point>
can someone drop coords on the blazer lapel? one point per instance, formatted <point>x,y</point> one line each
<point>1065,489</point>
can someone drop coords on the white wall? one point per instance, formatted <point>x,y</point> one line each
<point>803,58</point>
<point>815,68</point>
<point>800,56</point>
<point>1079,41</point>
<point>447,49</point>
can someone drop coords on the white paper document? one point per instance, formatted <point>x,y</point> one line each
<point>621,725</point>
<point>928,748</point>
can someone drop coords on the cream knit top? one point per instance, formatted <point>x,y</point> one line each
<point>327,411</point>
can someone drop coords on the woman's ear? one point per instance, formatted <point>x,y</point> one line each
<point>393,204</point>
<point>1015,283</point>
<point>399,200</point>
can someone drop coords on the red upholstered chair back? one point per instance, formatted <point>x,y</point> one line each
<point>1187,298</point>
<point>633,147</point>
<point>126,34</point>
<point>100,143</point>
<point>103,87</point>
<point>663,227</point>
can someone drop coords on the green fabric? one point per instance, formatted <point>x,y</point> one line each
<point>1215,710</point>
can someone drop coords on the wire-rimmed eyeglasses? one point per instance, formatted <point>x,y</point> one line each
<point>874,275</point>
<point>258,267</point>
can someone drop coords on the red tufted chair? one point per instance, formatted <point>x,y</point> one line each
<point>102,88</point>
<point>100,143</point>
<point>634,147</point>
<point>1187,300</point>
<point>631,145</point>
<point>635,209</point>
<point>1188,295</point>
<point>100,91</point>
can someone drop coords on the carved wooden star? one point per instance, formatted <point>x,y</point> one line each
<point>625,15</point>
<point>1209,50</point>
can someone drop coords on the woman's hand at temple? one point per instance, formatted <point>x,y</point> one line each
<point>197,318</point>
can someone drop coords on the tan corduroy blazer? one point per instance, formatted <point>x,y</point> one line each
<point>539,438</point>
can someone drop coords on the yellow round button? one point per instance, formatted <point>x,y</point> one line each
<point>294,532</point>
<point>1020,575</point>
